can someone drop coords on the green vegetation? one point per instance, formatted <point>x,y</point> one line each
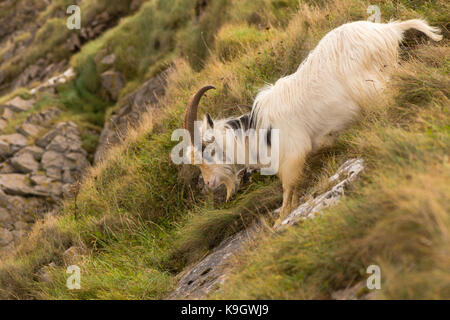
<point>138,219</point>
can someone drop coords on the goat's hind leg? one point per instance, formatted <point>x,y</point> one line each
<point>290,176</point>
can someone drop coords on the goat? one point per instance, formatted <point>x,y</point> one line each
<point>311,107</point>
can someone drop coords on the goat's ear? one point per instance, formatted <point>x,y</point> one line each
<point>208,121</point>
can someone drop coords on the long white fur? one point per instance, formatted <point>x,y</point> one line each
<point>350,64</point>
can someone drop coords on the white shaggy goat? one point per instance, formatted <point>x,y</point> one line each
<point>310,107</point>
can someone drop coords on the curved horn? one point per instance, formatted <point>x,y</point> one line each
<point>191,111</point>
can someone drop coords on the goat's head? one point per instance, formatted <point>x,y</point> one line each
<point>211,151</point>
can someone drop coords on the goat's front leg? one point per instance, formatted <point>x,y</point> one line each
<point>295,202</point>
<point>290,176</point>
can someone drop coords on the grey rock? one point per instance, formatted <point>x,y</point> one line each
<point>53,189</point>
<point>36,151</point>
<point>46,139</point>
<point>29,74</point>
<point>29,129</point>
<point>44,117</point>
<point>40,180</point>
<point>67,177</point>
<point>15,140</point>
<point>346,174</point>
<point>52,159</point>
<point>129,115</point>
<point>18,204</point>
<point>15,184</point>
<point>24,162</point>
<point>66,130</point>
<point>210,271</point>
<point>54,173</point>
<point>112,82</point>
<point>19,105</point>
<point>59,144</point>
<point>76,161</point>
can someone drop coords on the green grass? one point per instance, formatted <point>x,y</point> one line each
<point>138,219</point>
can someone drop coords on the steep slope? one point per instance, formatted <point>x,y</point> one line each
<point>138,222</point>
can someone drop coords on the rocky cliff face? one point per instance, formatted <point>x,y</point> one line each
<point>39,164</point>
<point>129,114</point>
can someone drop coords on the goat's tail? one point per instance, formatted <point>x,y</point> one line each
<point>421,25</point>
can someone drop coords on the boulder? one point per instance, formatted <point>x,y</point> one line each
<point>16,141</point>
<point>53,173</point>
<point>52,159</point>
<point>129,114</point>
<point>44,117</point>
<point>15,184</point>
<point>76,161</point>
<point>65,129</point>
<point>59,144</point>
<point>16,204</point>
<point>39,179</point>
<point>29,129</point>
<point>36,151</point>
<point>113,82</point>
<point>46,139</point>
<point>24,162</point>
<point>67,177</point>
<point>52,189</point>
<point>19,105</point>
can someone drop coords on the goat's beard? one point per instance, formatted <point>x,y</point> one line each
<point>228,176</point>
